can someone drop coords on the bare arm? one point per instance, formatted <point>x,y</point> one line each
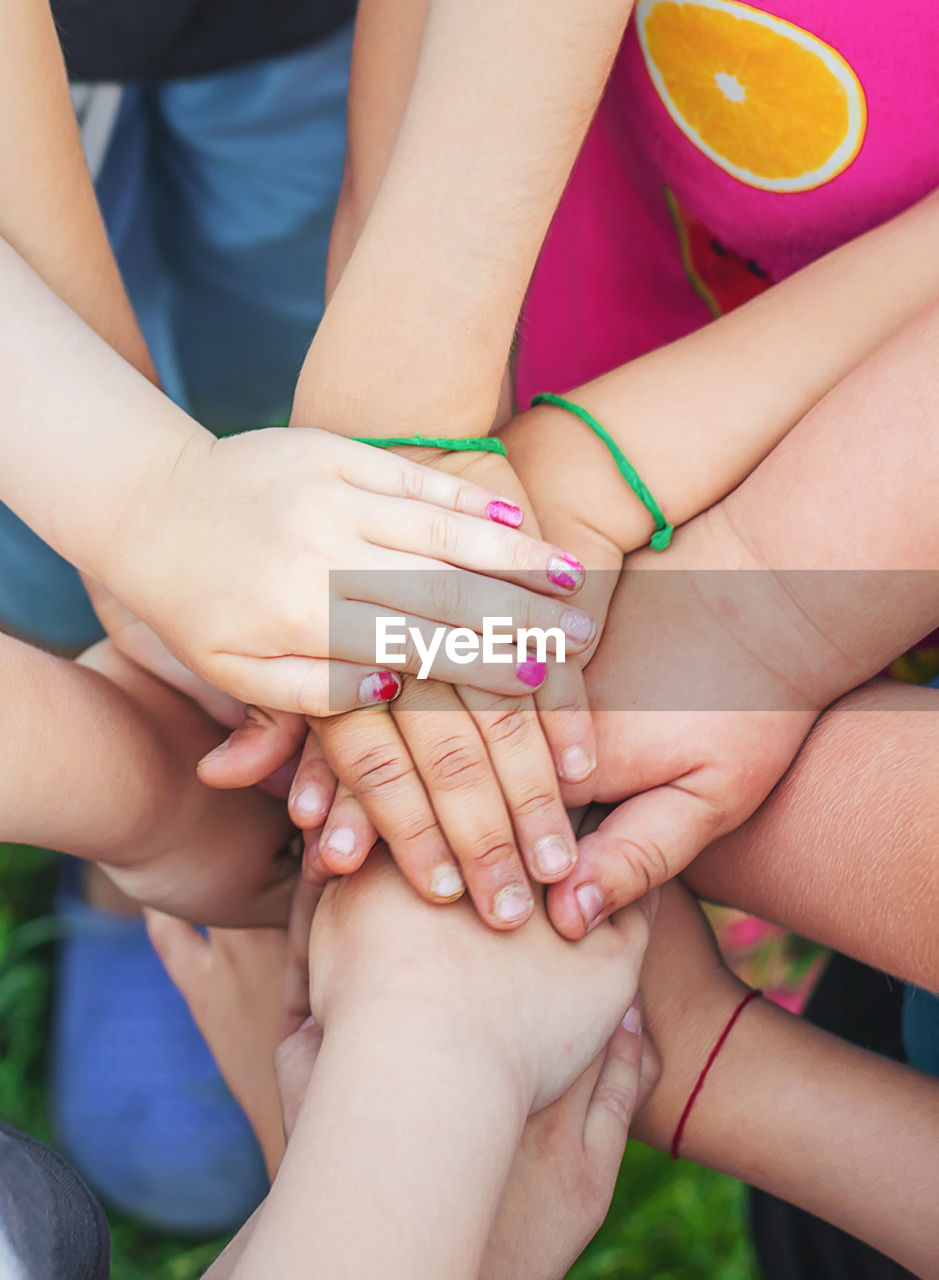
<point>48,210</point>
<point>501,99</point>
<point>841,1132</point>
<point>697,416</point>
<point>859,808</point>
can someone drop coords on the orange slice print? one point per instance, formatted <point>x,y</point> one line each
<point>770,103</point>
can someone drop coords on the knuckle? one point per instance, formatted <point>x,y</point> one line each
<point>414,829</point>
<point>441,536</point>
<point>647,861</point>
<point>617,1100</point>
<point>372,768</point>
<point>445,594</point>
<point>456,764</point>
<point>491,850</point>
<point>533,802</point>
<point>510,725</point>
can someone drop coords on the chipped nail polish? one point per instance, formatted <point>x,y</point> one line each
<point>566,572</point>
<point>505,513</point>
<point>579,627</point>
<point>590,901</point>
<point>512,904</point>
<point>446,882</point>
<point>575,765</point>
<point>379,686</point>
<point>551,856</point>
<point>531,672</point>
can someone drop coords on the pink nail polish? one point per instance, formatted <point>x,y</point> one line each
<point>504,513</point>
<point>380,686</point>
<point>531,672</point>
<point>566,572</point>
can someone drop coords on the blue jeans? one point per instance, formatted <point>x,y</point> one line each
<point>218,194</point>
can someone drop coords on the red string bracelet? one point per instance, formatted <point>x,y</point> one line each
<point>712,1058</point>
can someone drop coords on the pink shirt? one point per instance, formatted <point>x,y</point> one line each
<point>657,231</point>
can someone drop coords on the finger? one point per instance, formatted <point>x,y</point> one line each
<point>294,1060</point>
<point>264,742</point>
<point>642,844</point>
<point>348,834</point>
<point>467,798</point>
<point>513,737</point>
<point>296,994</point>
<point>313,787</point>
<point>426,648</point>
<point>568,727</point>
<point>306,686</point>
<point>369,756</point>
<point>458,541</point>
<point>185,952</point>
<point>614,1099</point>
<point>428,590</point>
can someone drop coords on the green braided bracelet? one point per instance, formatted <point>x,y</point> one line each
<point>663,530</point>
<point>474,444</point>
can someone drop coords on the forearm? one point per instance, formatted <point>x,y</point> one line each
<point>842,1133</point>
<point>426,1147</point>
<point>697,416</point>
<point>384,59</point>
<point>859,808</point>
<point>83,770</point>
<point>83,431</point>
<point>48,210</point>
<point>448,249</point>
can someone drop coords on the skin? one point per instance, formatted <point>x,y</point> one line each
<point>843,1133</point>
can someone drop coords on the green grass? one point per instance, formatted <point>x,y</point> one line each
<point>668,1222</point>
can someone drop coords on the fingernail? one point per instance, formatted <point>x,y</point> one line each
<point>380,686</point>
<point>512,904</point>
<point>505,513</point>
<point>575,765</point>
<point>590,900</point>
<point>340,841</point>
<point>580,627</point>
<point>566,572</point>
<point>551,856</point>
<point>633,1021</point>
<point>531,672</point>
<point>216,751</point>
<point>308,803</point>
<point>446,883</point>
<point>308,1024</point>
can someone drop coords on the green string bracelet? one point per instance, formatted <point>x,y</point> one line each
<point>663,530</point>
<point>474,444</point>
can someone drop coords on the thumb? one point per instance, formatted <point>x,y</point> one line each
<point>307,686</point>
<point>642,844</point>
<point>262,744</point>
<point>185,952</point>
<point>293,1064</point>
<point>614,1098</point>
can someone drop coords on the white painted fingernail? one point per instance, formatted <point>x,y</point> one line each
<point>446,882</point>
<point>577,626</point>
<point>511,904</point>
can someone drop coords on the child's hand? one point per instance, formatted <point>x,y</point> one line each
<point>216,857</point>
<point>704,691</point>
<point>233,982</point>
<point>529,1002</point>
<point>564,497</point>
<point>228,558</point>
<point>564,1171</point>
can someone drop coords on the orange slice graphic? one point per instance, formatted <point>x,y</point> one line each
<point>768,102</point>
